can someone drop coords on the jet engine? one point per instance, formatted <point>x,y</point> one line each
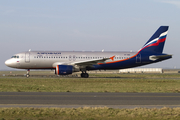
<point>65,69</point>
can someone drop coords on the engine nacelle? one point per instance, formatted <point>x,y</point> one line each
<point>64,69</point>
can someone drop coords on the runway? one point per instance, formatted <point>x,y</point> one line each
<point>74,100</point>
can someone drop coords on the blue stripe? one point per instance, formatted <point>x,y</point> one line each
<point>163,37</point>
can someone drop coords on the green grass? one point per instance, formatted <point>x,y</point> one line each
<point>97,83</point>
<point>89,114</point>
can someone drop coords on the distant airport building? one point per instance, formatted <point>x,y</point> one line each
<point>141,70</point>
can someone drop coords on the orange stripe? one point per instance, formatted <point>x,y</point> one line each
<point>119,60</point>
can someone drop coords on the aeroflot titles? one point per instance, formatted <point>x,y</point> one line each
<point>48,53</point>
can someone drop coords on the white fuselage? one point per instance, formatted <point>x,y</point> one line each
<point>50,59</point>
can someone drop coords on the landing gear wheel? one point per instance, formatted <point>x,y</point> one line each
<point>28,71</point>
<point>84,75</point>
<point>27,75</point>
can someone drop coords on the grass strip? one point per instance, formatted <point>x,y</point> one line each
<point>87,113</point>
<point>164,83</point>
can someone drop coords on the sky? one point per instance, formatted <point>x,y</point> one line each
<point>87,25</point>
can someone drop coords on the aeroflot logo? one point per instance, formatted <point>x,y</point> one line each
<point>48,53</point>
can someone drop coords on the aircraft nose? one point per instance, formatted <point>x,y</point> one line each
<point>9,63</point>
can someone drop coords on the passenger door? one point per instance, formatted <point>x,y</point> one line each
<point>27,57</point>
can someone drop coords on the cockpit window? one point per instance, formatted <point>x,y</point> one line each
<point>15,57</point>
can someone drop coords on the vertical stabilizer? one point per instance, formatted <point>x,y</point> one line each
<point>156,43</point>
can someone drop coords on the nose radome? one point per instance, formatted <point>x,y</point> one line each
<point>7,62</point>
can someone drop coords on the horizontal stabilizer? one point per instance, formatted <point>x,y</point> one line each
<point>155,57</point>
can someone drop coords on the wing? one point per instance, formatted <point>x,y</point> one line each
<point>90,62</point>
<point>84,63</point>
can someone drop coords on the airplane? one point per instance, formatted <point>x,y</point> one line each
<point>68,62</point>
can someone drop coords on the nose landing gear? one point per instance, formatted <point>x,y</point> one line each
<point>28,71</point>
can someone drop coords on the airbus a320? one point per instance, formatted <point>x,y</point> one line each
<point>67,62</point>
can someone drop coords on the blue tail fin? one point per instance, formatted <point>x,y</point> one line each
<point>156,43</point>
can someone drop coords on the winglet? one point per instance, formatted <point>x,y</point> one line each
<point>112,58</point>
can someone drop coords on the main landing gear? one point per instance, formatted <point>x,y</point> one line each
<point>84,74</point>
<point>28,71</point>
